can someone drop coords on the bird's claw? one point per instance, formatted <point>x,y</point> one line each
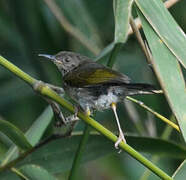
<point>120,139</point>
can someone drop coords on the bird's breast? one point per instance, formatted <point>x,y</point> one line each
<point>104,101</point>
<point>97,98</point>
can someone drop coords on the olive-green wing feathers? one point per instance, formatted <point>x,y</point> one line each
<point>90,74</point>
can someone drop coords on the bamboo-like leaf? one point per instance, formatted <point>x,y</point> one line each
<point>37,129</point>
<point>33,134</point>
<point>105,52</point>
<point>35,172</point>
<point>165,26</point>
<point>61,152</point>
<point>169,74</point>
<point>180,173</point>
<point>15,134</point>
<point>122,12</point>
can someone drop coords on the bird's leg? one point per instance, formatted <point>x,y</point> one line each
<point>56,108</point>
<point>59,118</point>
<point>121,135</point>
<point>58,115</point>
<point>73,117</point>
<point>87,111</point>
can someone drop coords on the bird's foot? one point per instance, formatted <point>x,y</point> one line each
<point>120,139</point>
<point>74,117</point>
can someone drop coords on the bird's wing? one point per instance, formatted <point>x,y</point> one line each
<point>90,74</point>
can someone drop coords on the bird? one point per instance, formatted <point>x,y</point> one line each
<point>95,87</point>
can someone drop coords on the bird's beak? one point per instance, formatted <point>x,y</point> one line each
<point>51,57</point>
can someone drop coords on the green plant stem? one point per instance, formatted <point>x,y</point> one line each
<point>155,113</point>
<point>78,156</point>
<point>18,72</point>
<point>46,91</point>
<point>140,39</point>
<point>79,153</point>
<point>84,139</point>
<point>18,173</point>
<point>72,30</point>
<point>148,56</point>
<point>113,55</point>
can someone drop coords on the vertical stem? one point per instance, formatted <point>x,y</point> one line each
<point>139,38</point>
<point>79,153</point>
<point>113,55</point>
<point>78,156</point>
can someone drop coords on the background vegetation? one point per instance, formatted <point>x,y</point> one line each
<point>29,28</point>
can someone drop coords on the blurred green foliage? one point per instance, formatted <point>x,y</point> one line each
<point>28,28</point>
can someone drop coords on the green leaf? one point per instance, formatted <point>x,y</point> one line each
<point>165,26</point>
<point>37,129</point>
<point>122,12</point>
<point>169,74</point>
<point>8,175</point>
<point>105,52</point>
<point>34,134</point>
<point>180,173</point>
<point>3,150</point>
<point>14,134</point>
<point>61,152</point>
<point>35,172</point>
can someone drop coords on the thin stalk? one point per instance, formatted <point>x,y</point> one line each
<point>46,91</point>
<point>79,153</point>
<point>140,39</point>
<point>113,55</point>
<point>70,28</point>
<point>148,56</point>
<point>155,113</point>
<point>18,72</point>
<point>20,174</point>
<point>84,139</point>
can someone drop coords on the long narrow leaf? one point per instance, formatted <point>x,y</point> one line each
<point>61,152</point>
<point>122,11</point>
<point>165,26</point>
<point>180,173</point>
<point>169,74</point>
<point>33,134</point>
<point>14,134</point>
<point>35,172</point>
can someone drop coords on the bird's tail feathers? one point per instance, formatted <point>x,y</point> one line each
<point>140,88</point>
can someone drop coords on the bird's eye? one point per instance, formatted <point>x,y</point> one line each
<point>67,60</point>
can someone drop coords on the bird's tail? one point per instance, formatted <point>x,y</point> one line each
<point>140,88</point>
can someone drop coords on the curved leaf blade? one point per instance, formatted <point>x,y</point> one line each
<point>37,129</point>
<point>35,172</point>
<point>57,156</point>
<point>180,173</point>
<point>34,134</point>
<point>165,26</point>
<point>122,12</point>
<point>169,74</point>
<point>16,135</point>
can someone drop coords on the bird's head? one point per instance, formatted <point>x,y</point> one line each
<point>64,60</point>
